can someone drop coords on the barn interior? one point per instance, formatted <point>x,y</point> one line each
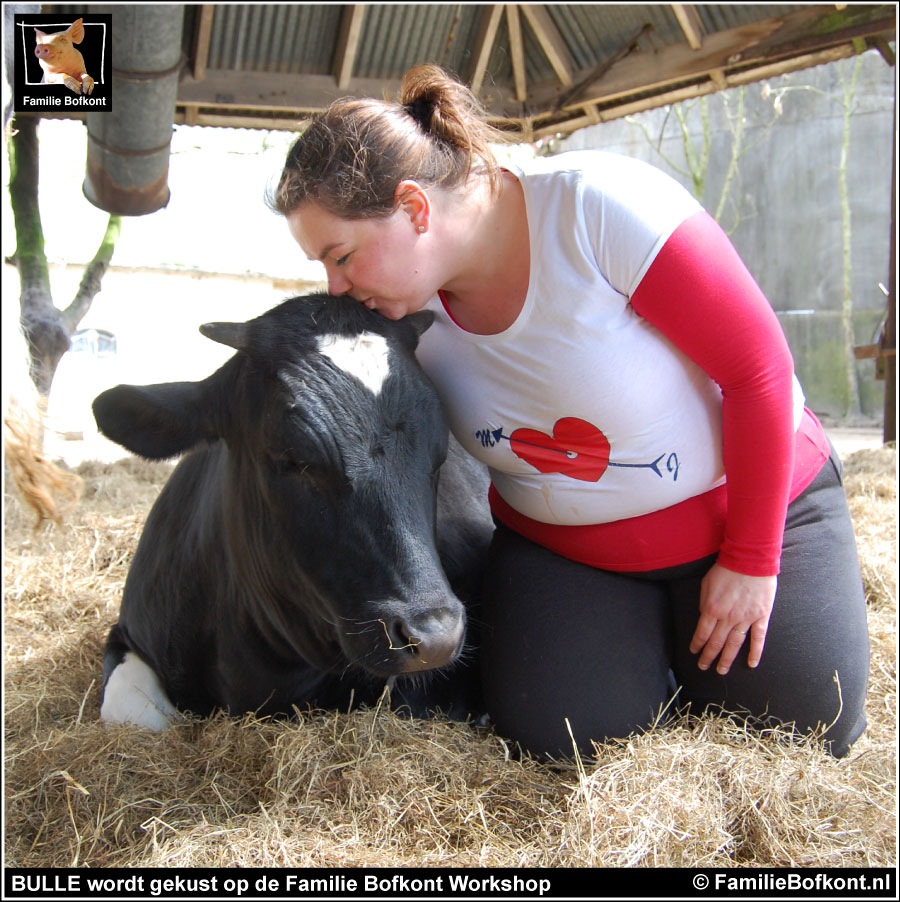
<point>540,70</point>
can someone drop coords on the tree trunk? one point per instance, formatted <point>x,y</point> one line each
<point>47,337</point>
<point>853,407</point>
<point>47,329</point>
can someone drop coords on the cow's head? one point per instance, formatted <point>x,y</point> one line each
<point>334,437</point>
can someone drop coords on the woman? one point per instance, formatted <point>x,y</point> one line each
<point>600,346</point>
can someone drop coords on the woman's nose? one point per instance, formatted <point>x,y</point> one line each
<point>338,283</point>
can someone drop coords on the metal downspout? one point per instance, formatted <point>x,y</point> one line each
<point>128,147</point>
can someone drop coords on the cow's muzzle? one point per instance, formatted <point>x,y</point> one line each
<point>426,641</point>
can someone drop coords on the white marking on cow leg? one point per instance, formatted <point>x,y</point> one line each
<point>135,695</point>
<point>364,356</point>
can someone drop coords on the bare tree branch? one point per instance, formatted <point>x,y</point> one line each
<point>47,329</point>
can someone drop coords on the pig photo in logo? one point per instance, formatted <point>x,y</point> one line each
<point>62,62</point>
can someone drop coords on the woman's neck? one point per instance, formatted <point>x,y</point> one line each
<point>489,259</point>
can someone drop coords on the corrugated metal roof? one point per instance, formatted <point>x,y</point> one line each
<point>722,16</point>
<point>270,38</point>
<point>262,37</point>
<point>265,40</point>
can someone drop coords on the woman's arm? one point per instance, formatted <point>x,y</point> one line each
<point>700,295</point>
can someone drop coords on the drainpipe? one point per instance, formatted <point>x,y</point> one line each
<point>128,147</point>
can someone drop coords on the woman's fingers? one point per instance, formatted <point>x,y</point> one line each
<point>725,642</point>
<point>757,642</point>
<point>732,605</point>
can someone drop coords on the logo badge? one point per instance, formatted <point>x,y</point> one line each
<point>62,62</point>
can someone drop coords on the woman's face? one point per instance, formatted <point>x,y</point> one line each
<point>379,262</point>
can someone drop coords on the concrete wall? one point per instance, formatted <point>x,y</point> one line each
<point>785,213</point>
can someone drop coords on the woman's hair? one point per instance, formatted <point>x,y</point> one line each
<point>353,155</point>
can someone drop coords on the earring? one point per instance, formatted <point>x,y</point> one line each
<point>420,229</point>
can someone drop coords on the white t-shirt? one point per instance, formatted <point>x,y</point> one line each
<point>583,411</point>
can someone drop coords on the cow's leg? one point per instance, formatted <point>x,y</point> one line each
<point>132,691</point>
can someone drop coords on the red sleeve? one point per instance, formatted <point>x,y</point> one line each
<point>700,295</point>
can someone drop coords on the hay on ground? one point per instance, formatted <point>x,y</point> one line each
<point>370,788</point>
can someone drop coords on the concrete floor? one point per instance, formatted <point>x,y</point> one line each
<point>849,439</point>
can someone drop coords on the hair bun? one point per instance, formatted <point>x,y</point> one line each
<point>352,155</point>
<point>421,109</point>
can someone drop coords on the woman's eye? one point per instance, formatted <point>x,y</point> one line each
<point>341,260</point>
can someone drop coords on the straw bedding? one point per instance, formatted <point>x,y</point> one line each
<point>369,788</point>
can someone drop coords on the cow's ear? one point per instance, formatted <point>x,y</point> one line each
<point>420,322</point>
<point>235,335</point>
<point>154,421</point>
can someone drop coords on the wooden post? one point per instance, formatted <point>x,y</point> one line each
<point>889,335</point>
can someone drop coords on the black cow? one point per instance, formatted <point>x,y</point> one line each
<point>293,558</point>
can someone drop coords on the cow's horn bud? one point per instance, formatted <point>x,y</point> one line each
<point>232,334</point>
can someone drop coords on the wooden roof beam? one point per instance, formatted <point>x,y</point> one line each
<point>555,49</point>
<point>550,40</point>
<point>689,20</point>
<point>761,43</point>
<point>484,43</point>
<point>202,37</point>
<point>881,44</point>
<point>348,44</point>
<point>689,92</point>
<point>517,51</point>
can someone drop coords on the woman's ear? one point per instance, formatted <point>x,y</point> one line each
<point>413,200</point>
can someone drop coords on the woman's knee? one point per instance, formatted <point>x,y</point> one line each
<point>807,683</point>
<point>557,731</point>
<point>571,654</point>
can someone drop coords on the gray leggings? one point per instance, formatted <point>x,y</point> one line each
<point>566,641</point>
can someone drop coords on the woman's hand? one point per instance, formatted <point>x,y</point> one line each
<point>731,605</point>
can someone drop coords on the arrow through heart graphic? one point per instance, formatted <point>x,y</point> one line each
<point>575,448</point>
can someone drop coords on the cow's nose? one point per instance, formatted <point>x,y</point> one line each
<point>428,641</point>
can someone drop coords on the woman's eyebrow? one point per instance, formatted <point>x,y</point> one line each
<point>326,250</point>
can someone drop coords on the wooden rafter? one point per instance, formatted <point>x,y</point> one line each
<point>484,43</point>
<point>200,51</point>
<point>568,98</point>
<point>554,48</point>
<point>572,93</point>
<point>517,51</point>
<point>762,44</point>
<point>689,20</point>
<point>348,44</point>
<point>551,41</point>
<point>689,92</point>
<point>202,35</point>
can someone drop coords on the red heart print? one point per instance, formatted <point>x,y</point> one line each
<point>577,449</point>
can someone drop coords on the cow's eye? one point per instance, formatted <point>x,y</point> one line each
<point>288,462</point>
<point>316,475</point>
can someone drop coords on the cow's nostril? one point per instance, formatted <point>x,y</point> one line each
<point>425,641</point>
<point>400,637</point>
